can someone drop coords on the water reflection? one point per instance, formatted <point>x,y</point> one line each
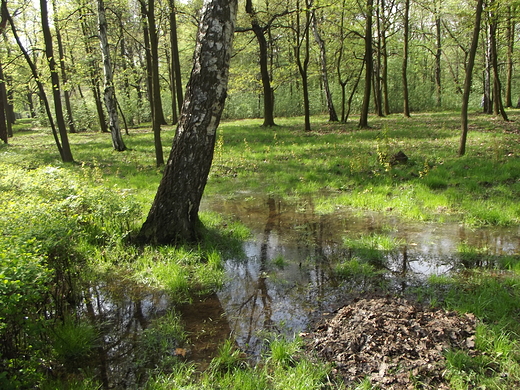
<point>286,280</point>
<point>121,311</point>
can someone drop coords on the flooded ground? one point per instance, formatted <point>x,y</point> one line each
<point>285,281</point>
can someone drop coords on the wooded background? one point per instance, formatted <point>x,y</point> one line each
<point>290,58</point>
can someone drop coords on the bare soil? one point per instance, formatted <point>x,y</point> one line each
<point>395,342</point>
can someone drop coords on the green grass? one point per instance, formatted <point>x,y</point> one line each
<point>66,224</point>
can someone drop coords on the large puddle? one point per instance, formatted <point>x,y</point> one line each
<point>286,279</point>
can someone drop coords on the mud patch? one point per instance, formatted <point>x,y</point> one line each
<point>393,341</point>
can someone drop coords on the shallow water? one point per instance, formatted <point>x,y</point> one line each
<point>284,282</point>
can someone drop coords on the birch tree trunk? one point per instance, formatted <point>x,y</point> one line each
<point>173,216</point>
<point>109,90</point>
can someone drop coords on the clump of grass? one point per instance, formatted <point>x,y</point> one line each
<point>494,297</point>
<point>73,343</point>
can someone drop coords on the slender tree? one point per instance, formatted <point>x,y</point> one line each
<point>63,69</point>
<point>302,54</point>
<point>333,117</point>
<point>174,213</point>
<point>176,78</point>
<point>263,55</point>
<point>3,102</point>
<point>497,87</point>
<point>363,120</point>
<point>406,38</point>
<point>468,79</point>
<point>510,37</point>
<point>109,90</point>
<point>56,86</point>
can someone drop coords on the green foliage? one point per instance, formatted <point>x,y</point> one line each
<point>73,343</point>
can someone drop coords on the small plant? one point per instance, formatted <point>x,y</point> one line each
<point>73,343</point>
<point>279,261</point>
<point>228,358</point>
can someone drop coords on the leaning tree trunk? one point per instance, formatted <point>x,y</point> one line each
<point>173,216</point>
<point>35,74</point>
<point>109,93</point>
<point>467,81</point>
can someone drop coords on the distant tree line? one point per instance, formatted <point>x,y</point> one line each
<point>103,65</point>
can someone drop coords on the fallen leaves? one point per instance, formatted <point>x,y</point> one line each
<point>393,341</point>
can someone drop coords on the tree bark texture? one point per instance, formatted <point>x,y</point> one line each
<point>173,216</point>
<point>467,81</point>
<point>55,80</point>
<point>109,90</point>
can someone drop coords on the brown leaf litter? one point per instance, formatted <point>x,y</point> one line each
<point>394,342</point>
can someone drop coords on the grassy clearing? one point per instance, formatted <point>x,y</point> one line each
<point>66,225</point>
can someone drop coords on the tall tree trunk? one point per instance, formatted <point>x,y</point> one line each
<point>376,79</point>
<point>438,55</point>
<point>177,92</point>
<point>406,37</point>
<point>3,105</point>
<point>148,54</point>
<point>55,80</point>
<point>333,117</point>
<point>63,68</point>
<point>93,76</point>
<point>157,110</point>
<point>109,90</point>
<point>510,36</point>
<point>497,87</point>
<point>469,74</point>
<point>154,56</point>
<point>384,70</point>
<point>259,32</point>
<point>487,101</point>
<point>302,40</point>
<point>173,216</point>
<point>363,120</point>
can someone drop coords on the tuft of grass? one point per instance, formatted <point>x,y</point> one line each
<point>73,343</point>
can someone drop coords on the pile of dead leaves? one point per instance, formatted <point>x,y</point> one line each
<point>392,341</point>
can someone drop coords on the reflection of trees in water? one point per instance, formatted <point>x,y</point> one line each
<point>120,317</point>
<point>259,301</point>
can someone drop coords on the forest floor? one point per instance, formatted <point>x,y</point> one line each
<point>394,342</point>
